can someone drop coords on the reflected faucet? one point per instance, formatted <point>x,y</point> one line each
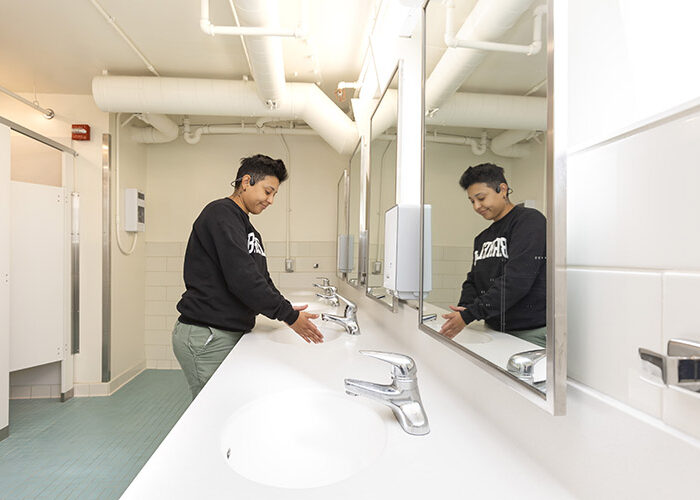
<point>401,395</point>
<point>329,291</point>
<point>349,318</point>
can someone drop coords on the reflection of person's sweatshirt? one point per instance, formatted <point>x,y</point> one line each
<point>506,286</point>
<point>226,278</point>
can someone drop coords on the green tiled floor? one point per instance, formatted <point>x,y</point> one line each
<point>89,447</point>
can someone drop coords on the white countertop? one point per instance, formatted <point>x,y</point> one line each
<point>463,456</point>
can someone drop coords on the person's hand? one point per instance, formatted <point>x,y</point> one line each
<point>305,328</point>
<point>454,323</point>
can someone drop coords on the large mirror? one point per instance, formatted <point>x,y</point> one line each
<point>355,231</point>
<point>381,189</point>
<point>486,174</point>
<point>344,245</point>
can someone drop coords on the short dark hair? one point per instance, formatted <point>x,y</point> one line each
<point>488,173</point>
<point>259,167</point>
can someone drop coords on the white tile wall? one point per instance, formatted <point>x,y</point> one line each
<point>164,286</point>
<point>633,276</point>
<point>450,267</point>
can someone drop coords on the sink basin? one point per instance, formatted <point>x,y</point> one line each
<point>302,439</point>
<point>288,336</point>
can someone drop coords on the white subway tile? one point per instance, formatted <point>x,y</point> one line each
<point>274,248</point>
<point>610,315</point>
<point>175,264</point>
<point>155,249</point>
<point>157,278</point>
<point>158,337</point>
<point>325,264</point>
<point>155,322</point>
<point>300,249</point>
<point>275,264</point>
<point>174,365</point>
<point>156,292</point>
<point>151,364</point>
<point>163,364</point>
<point>160,308</point>
<point>41,391</point>
<point>20,391</point>
<point>174,293</point>
<point>55,391</point>
<point>322,248</point>
<point>458,253</point>
<point>156,263</point>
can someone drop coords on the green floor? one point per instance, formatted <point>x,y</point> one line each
<point>89,447</point>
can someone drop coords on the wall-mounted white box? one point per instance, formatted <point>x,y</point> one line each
<point>402,240</point>
<point>134,210</point>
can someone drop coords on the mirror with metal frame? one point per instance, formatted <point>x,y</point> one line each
<point>343,246</point>
<point>488,177</point>
<point>353,242</point>
<point>381,188</point>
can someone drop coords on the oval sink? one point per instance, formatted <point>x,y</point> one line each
<point>302,439</point>
<point>288,336</point>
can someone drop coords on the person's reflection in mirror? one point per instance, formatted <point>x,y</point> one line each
<point>506,286</point>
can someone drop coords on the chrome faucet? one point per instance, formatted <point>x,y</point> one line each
<point>329,291</point>
<point>401,395</point>
<point>349,318</point>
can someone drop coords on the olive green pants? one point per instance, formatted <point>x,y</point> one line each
<point>200,350</point>
<point>537,336</point>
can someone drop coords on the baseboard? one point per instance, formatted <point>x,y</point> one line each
<point>109,388</point>
<point>65,396</point>
<point>4,432</point>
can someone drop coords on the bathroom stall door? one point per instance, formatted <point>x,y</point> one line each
<point>37,256</point>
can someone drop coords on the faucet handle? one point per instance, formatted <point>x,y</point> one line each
<point>404,366</point>
<point>324,281</point>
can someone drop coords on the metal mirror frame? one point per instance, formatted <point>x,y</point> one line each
<point>394,306</point>
<point>554,399</point>
<point>358,280</point>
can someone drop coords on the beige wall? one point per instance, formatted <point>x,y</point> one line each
<point>128,271</point>
<point>182,178</point>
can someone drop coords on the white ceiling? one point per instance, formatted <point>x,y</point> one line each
<point>51,46</point>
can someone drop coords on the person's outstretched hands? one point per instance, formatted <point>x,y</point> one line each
<point>454,323</point>
<point>304,327</point>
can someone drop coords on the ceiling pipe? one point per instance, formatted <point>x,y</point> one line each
<point>465,109</point>
<point>191,96</point>
<point>110,19</point>
<point>489,20</point>
<point>531,49</point>
<point>162,129</point>
<point>259,18</point>
<point>506,144</point>
<point>211,29</point>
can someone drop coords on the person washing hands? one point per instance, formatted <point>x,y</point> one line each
<point>226,278</point>
<point>507,284</point>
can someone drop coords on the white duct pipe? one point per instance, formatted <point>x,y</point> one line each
<point>267,63</point>
<point>506,144</point>
<point>472,110</point>
<point>489,20</point>
<point>162,129</point>
<point>190,96</point>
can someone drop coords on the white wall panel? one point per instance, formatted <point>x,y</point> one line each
<point>633,203</point>
<point>610,315</point>
<point>37,293</point>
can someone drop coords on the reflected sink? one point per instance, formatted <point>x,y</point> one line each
<point>302,439</point>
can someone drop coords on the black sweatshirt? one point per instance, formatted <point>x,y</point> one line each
<point>507,285</point>
<point>226,278</point>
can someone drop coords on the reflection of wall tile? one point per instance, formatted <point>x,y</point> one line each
<point>681,292</point>
<point>610,315</point>
<point>458,253</point>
